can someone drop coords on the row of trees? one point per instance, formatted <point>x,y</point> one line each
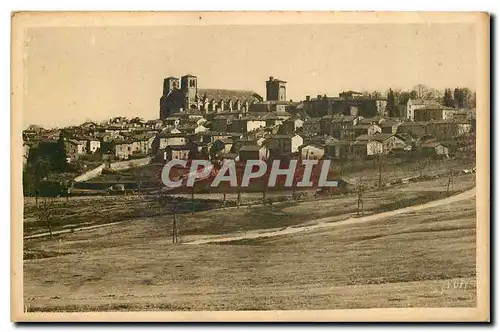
<point>459,98</point>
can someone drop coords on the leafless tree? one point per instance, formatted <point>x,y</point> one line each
<point>46,212</point>
<point>138,178</point>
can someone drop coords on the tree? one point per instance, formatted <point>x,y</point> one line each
<point>403,98</point>
<point>60,157</point>
<point>38,168</point>
<point>45,213</point>
<point>421,91</point>
<point>392,108</point>
<point>376,95</point>
<point>467,98</point>
<point>472,101</point>
<point>139,176</point>
<point>458,97</point>
<point>464,98</point>
<point>448,98</point>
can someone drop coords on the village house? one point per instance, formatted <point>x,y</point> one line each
<point>312,151</point>
<point>415,129</point>
<point>172,152</point>
<point>312,126</point>
<point>432,112</point>
<point>247,124</point>
<point>162,140</point>
<point>74,148</point>
<point>291,125</point>
<point>347,103</point>
<point>121,149</point>
<point>389,126</point>
<point>222,122</point>
<point>283,144</point>
<point>335,124</point>
<point>253,152</point>
<point>414,104</point>
<point>143,143</point>
<point>365,145</point>
<point>389,141</point>
<point>350,132</point>
<point>272,119</point>
<point>93,144</point>
<point>445,129</point>
<point>435,149</point>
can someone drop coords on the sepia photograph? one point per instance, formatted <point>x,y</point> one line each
<point>250,166</point>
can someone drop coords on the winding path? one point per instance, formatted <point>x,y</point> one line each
<point>329,222</point>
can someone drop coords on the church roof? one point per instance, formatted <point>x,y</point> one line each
<point>226,95</point>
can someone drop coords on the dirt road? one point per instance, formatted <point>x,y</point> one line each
<point>330,222</point>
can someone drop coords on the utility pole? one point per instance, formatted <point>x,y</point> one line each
<point>449,187</point>
<point>360,199</point>
<point>264,191</point>
<point>175,232</point>
<point>238,200</point>
<point>379,172</point>
<point>192,199</point>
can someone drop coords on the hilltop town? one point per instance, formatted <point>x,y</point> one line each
<point>218,124</point>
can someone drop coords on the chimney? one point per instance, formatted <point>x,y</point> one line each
<point>271,78</point>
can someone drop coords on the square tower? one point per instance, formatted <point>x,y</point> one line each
<point>169,84</point>
<point>189,87</point>
<point>275,89</point>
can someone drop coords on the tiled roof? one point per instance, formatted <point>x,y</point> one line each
<point>226,95</point>
<point>250,148</point>
<point>282,113</point>
<point>376,137</point>
<point>321,146</point>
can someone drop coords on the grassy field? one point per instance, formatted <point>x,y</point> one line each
<point>89,211</point>
<point>420,259</point>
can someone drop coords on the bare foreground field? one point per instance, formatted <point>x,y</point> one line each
<point>424,258</point>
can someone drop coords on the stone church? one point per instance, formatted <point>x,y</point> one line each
<point>183,95</point>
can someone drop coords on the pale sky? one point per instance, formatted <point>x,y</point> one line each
<point>78,73</point>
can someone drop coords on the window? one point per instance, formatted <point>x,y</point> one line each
<point>192,83</point>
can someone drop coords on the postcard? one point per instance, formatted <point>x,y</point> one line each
<point>250,166</point>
